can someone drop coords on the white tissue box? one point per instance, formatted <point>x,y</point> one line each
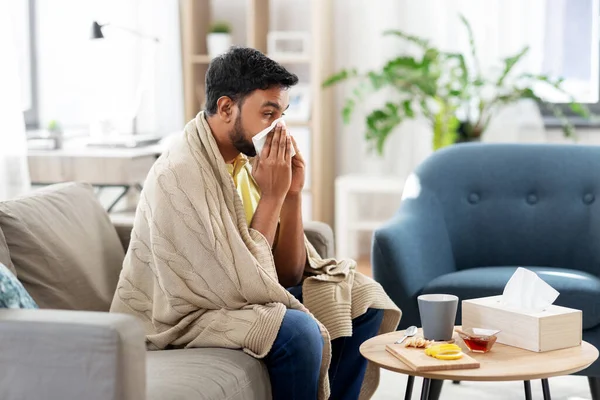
<point>552,329</point>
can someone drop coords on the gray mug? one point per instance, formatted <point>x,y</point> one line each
<point>438,313</point>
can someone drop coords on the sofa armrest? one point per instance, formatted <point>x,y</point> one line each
<point>55,354</point>
<point>410,251</point>
<point>320,235</point>
<point>123,225</point>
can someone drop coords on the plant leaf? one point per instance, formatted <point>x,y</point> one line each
<point>509,63</point>
<point>471,44</point>
<point>347,110</point>
<point>567,126</point>
<point>406,73</point>
<point>528,93</point>
<point>381,123</point>
<point>339,77</point>
<point>424,43</point>
<point>580,109</point>
<point>408,111</point>
<point>555,82</point>
<point>406,62</point>
<point>377,80</point>
<point>462,65</point>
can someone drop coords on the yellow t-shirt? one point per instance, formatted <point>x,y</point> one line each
<point>245,185</point>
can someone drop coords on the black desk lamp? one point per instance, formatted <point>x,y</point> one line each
<point>98,34</point>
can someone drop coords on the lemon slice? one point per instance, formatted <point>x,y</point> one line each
<point>444,351</point>
<point>449,356</point>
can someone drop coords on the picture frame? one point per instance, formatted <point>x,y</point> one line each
<point>287,43</point>
<point>300,104</point>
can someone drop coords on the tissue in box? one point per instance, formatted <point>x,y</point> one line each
<point>551,329</point>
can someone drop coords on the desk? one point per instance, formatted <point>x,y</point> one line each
<point>100,167</point>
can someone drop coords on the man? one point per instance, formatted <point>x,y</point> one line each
<point>216,245</point>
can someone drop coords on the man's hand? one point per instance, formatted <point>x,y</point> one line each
<point>281,181</point>
<point>273,175</point>
<point>290,253</point>
<point>273,172</point>
<point>298,169</point>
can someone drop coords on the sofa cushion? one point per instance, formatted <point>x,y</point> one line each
<point>63,246</point>
<point>579,290</point>
<point>5,255</point>
<point>206,374</point>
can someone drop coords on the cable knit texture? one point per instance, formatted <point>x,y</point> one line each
<point>198,276</point>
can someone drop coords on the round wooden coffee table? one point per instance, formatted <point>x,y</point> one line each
<point>502,363</point>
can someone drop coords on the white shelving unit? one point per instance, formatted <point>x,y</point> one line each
<point>347,211</point>
<point>196,19</point>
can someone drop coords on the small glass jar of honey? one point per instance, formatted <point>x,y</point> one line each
<point>478,340</point>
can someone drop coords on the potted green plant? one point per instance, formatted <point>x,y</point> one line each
<point>56,133</point>
<point>439,86</point>
<point>218,39</point>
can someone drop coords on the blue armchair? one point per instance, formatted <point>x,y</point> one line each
<point>472,213</point>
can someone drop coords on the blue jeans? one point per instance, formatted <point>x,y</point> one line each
<point>295,358</point>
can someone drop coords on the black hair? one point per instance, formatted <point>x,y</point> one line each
<point>241,71</point>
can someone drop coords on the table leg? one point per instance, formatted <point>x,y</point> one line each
<point>435,389</point>
<point>546,389</point>
<point>425,389</point>
<point>527,390</point>
<point>409,387</point>
<point>594,387</point>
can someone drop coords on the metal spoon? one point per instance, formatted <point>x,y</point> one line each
<point>410,331</point>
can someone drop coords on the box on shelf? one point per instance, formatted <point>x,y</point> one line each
<point>551,329</point>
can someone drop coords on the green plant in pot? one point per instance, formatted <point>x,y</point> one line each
<point>218,40</point>
<point>439,86</point>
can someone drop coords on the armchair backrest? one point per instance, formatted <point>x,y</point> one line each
<point>516,204</point>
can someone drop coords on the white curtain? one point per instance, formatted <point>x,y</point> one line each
<point>501,28</point>
<point>14,174</point>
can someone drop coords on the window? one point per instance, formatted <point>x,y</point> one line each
<point>23,13</point>
<point>571,48</point>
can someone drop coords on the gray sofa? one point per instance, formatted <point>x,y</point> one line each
<point>68,252</point>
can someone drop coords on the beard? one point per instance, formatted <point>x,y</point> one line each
<point>239,141</point>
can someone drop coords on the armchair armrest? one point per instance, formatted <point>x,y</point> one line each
<point>123,225</point>
<point>55,354</point>
<point>411,250</point>
<point>320,235</point>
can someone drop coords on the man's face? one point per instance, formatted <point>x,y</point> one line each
<point>257,112</point>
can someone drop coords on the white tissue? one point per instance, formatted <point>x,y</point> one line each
<point>527,291</point>
<point>260,139</point>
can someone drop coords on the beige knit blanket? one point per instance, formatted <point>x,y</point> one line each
<point>198,276</point>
